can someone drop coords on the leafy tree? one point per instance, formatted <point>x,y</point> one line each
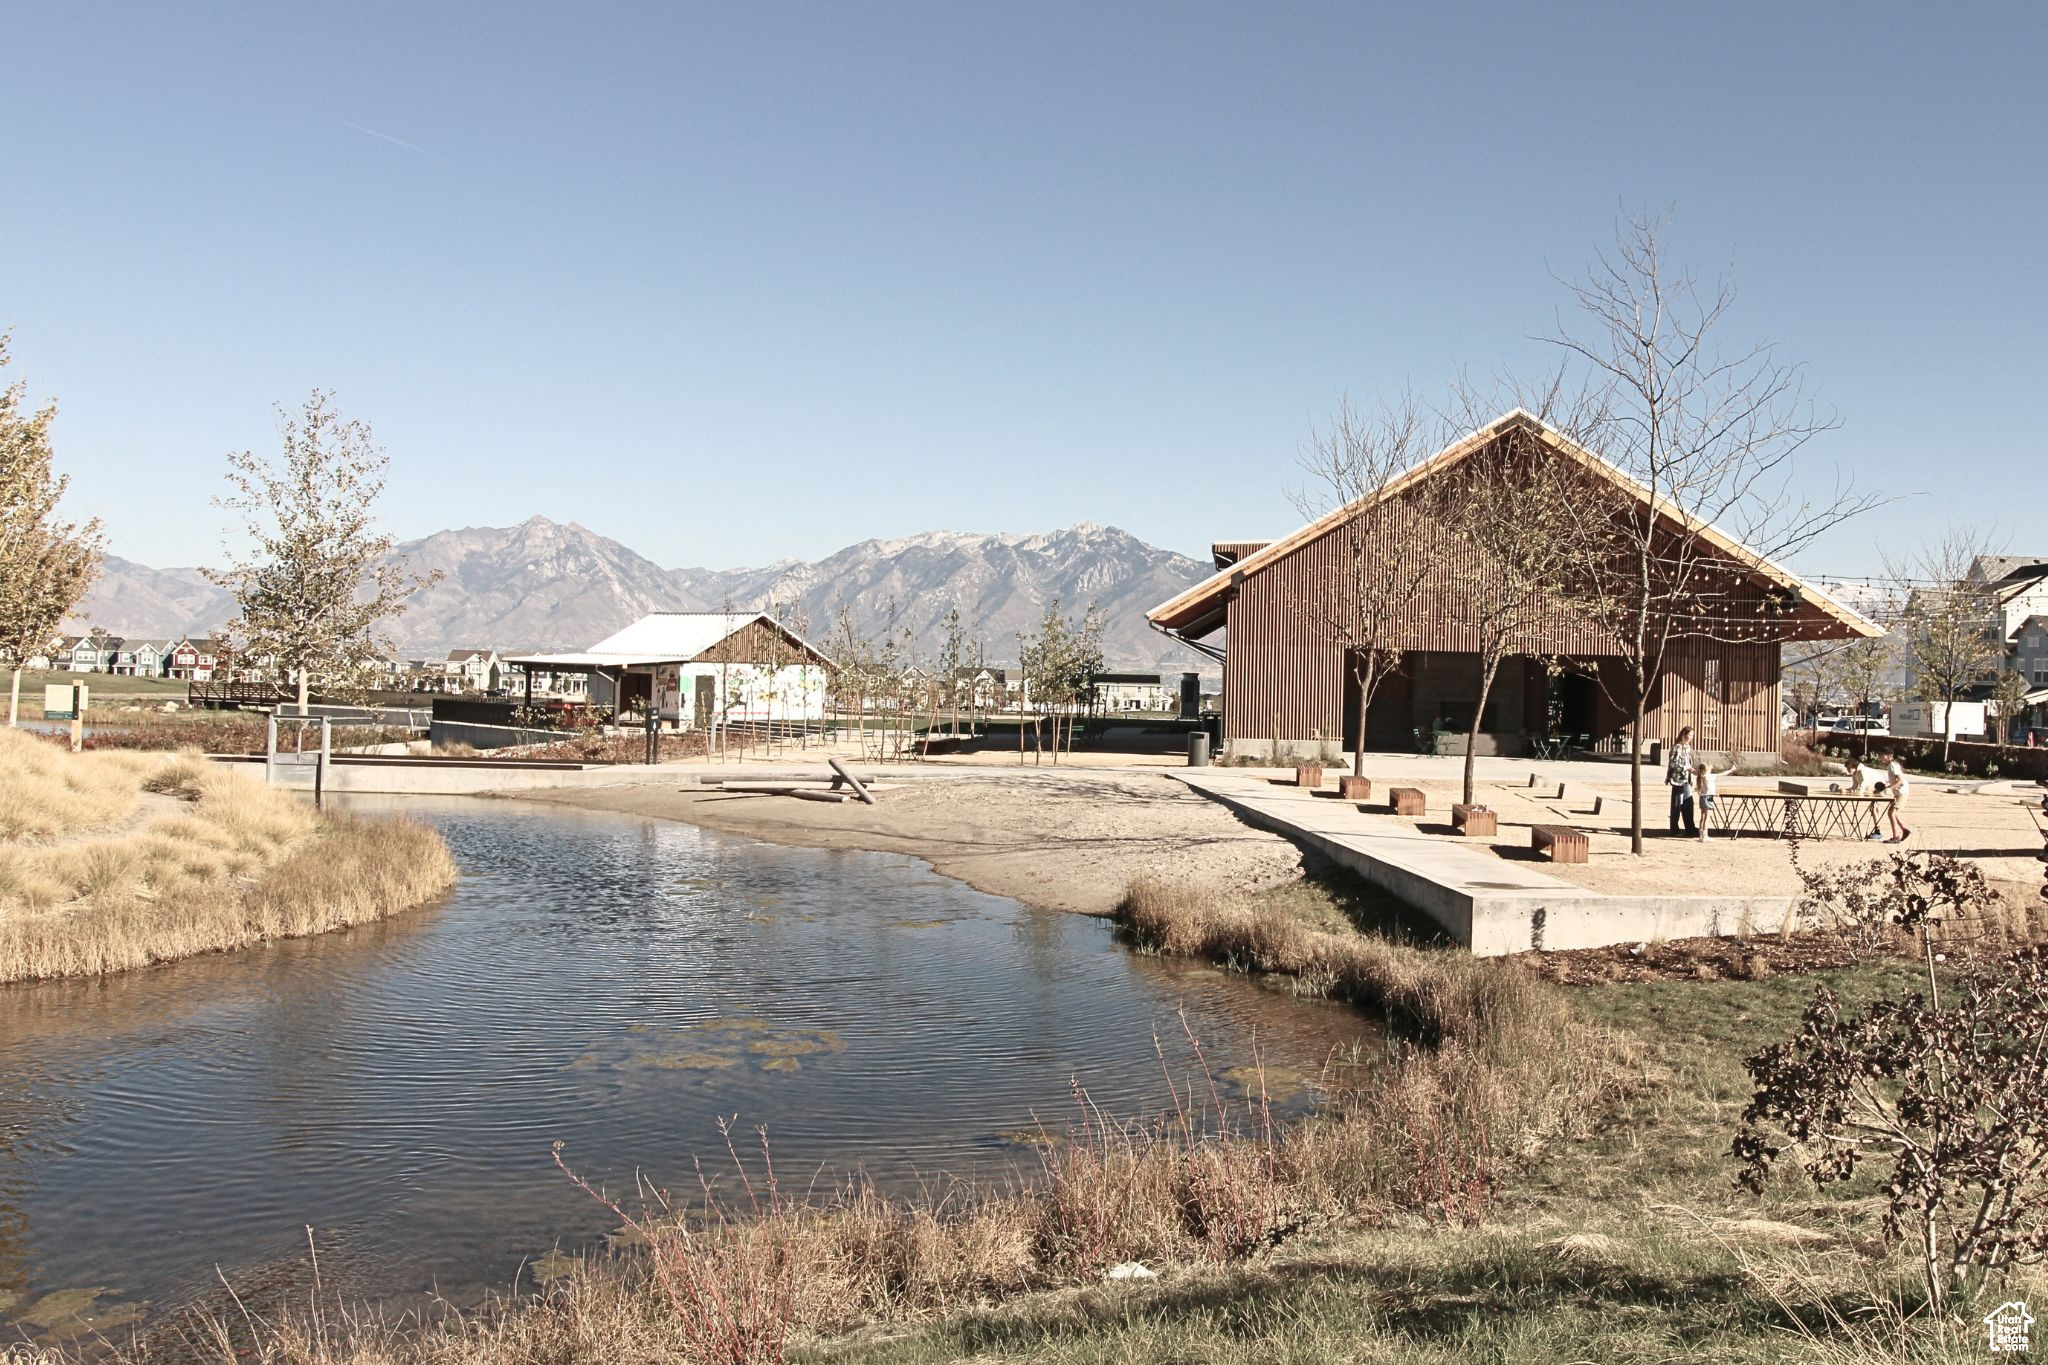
<point>1059,664</point>
<point>46,563</point>
<point>321,578</point>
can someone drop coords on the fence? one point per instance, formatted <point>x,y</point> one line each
<point>1965,756</point>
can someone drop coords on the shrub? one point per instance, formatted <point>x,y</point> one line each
<point>1952,1099</point>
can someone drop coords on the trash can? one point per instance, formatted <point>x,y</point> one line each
<point>1198,748</point>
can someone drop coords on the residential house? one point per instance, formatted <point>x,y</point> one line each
<point>2019,589</point>
<point>472,670</point>
<point>1285,683</point>
<point>90,655</point>
<point>193,658</point>
<point>553,684</point>
<point>2030,650</point>
<point>1129,692</point>
<point>698,668</point>
<point>982,689</point>
<point>143,658</point>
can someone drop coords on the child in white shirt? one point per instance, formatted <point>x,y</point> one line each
<point>1706,786</point>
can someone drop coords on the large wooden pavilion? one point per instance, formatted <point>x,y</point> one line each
<point>1285,682</point>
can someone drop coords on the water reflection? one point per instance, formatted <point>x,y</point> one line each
<point>613,982</point>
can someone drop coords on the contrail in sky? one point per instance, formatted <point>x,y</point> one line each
<point>394,141</point>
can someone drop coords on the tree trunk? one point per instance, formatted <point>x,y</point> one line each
<point>303,689</point>
<point>1635,775</point>
<point>1486,676</point>
<point>1948,729</point>
<point>1358,749</point>
<point>14,700</point>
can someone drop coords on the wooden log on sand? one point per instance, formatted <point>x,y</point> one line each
<point>811,794</point>
<point>851,781</point>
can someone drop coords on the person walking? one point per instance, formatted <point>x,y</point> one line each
<point>1678,774</point>
<point>1897,786</point>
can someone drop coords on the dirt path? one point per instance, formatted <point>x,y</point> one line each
<point>149,808</point>
<point>1061,841</point>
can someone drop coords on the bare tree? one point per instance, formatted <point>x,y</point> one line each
<point>1363,602</point>
<point>1866,671</point>
<point>1712,436</point>
<point>2008,693</point>
<point>1514,509</point>
<point>1948,625</point>
<point>321,577</point>
<point>1811,679</point>
<point>46,563</point>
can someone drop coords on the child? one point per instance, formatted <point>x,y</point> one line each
<point>1706,784</point>
<point>1898,788</point>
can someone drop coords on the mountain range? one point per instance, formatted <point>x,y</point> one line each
<point>549,585</point>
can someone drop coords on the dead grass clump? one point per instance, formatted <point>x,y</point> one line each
<point>357,871</point>
<point>239,864</point>
<point>1489,1005</point>
<point>183,777</point>
<point>45,790</point>
<point>1493,1062</point>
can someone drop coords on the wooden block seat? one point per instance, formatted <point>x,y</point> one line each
<point>1407,800</point>
<point>1353,788</point>
<point>1559,843</point>
<point>1474,822</point>
<point>1308,775</point>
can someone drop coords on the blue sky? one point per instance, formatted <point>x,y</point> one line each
<point>732,285</point>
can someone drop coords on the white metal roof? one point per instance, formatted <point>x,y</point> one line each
<point>675,634</point>
<point>663,637</point>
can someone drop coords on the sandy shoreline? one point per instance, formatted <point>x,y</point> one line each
<point>1073,839</point>
<point>1045,838</point>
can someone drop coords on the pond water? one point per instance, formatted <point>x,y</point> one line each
<point>612,982</point>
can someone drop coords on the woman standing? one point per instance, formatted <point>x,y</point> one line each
<point>1678,775</point>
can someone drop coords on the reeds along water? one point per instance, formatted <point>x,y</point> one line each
<point>90,890</point>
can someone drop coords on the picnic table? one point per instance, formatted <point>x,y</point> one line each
<point>1802,815</point>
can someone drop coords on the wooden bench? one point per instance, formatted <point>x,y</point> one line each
<point>1308,775</point>
<point>1559,843</point>
<point>1474,822</point>
<point>1352,788</point>
<point>1407,800</point>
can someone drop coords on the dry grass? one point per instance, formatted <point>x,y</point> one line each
<point>46,792</point>
<point>1488,1005</point>
<point>239,864</point>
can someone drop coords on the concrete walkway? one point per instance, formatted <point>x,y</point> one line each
<point>1490,905</point>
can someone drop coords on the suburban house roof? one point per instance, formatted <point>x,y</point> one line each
<point>666,637</point>
<point>2000,568</point>
<point>1199,610</point>
<point>463,656</point>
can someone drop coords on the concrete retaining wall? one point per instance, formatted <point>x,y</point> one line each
<point>1523,912</point>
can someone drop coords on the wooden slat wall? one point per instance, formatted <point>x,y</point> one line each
<point>757,642</point>
<point>1284,676</point>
